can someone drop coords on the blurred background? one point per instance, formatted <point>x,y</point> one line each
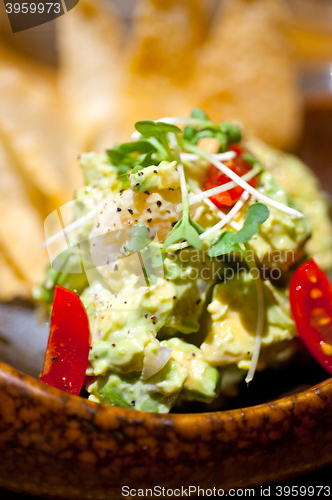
<point>80,82</point>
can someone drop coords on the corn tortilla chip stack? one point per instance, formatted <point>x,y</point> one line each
<point>160,58</point>
<point>165,34</point>
<point>89,39</point>
<point>31,129</point>
<point>21,228</point>
<point>246,71</point>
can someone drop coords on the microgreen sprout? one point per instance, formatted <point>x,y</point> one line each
<point>228,242</point>
<point>185,229</point>
<point>240,182</point>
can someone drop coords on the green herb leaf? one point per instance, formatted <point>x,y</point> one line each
<point>232,131</point>
<point>189,133</point>
<point>137,155</point>
<point>224,244</point>
<point>184,230</point>
<point>211,131</point>
<point>115,156</point>
<point>198,228</point>
<point>249,158</point>
<point>199,114</point>
<point>256,215</point>
<point>139,238</point>
<point>156,144</point>
<point>212,127</point>
<point>222,138</point>
<point>154,129</point>
<point>191,235</point>
<point>140,147</point>
<point>146,161</point>
<point>126,156</point>
<point>204,133</point>
<point>136,169</point>
<point>153,260</point>
<point>229,241</point>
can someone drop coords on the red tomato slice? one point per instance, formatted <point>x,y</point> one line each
<point>311,304</point>
<point>67,352</point>
<point>216,178</point>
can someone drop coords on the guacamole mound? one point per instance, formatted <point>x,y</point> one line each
<point>169,322</point>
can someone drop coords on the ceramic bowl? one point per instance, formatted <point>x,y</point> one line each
<point>65,446</point>
<point>61,446</point>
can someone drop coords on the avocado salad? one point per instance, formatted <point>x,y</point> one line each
<point>181,247</point>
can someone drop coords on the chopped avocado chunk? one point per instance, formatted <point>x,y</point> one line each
<point>202,377</point>
<point>98,171</point>
<point>233,312</point>
<point>122,352</point>
<point>169,380</point>
<point>143,309</point>
<point>281,239</point>
<point>303,186</point>
<point>158,394</point>
<point>193,274</point>
<point>163,176</point>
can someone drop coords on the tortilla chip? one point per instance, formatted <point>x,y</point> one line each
<point>21,228</point>
<point>165,36</point>
<point>89,52</point>
<point>160,59</point>
<point>246,71</point>
<point>33,132</point>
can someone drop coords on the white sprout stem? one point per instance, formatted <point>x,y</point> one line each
<point>235,225</point>
<point>177,246</point>
<point>221,189</point>
<point>232,175</point>
<point>229,155</point>
<point>260,323</point>
<point>237,207</point>
<point>184,189</point>
<point>74,225</point>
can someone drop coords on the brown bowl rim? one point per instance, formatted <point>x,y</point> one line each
<point>297,428</point>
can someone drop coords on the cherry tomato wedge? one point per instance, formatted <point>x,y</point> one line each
<point>216,178</point>
<point>67,352</point>
<point>311,304</point>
